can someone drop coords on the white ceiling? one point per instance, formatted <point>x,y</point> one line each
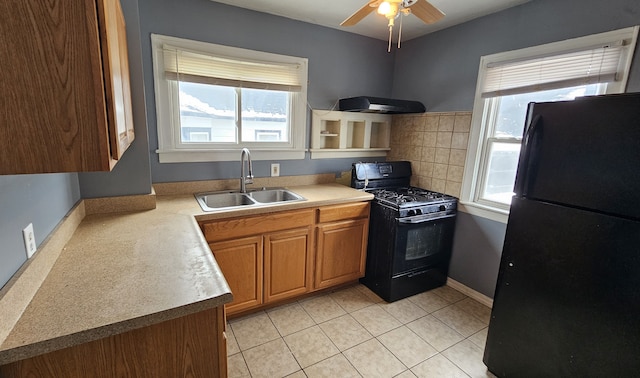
<point>331,13</point>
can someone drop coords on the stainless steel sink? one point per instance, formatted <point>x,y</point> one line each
<point>215,201</point>
<point>274,195</point>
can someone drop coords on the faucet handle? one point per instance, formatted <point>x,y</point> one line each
<point>248,179</point>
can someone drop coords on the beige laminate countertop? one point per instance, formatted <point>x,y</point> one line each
<point>122,271</point>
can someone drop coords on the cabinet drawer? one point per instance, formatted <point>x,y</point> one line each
<point>254,225</point>
<point>340,212</point>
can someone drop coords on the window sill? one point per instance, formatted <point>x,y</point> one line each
<point>192,156</point>
<point>472,208</point>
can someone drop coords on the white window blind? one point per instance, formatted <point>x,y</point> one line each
<point>203,68</point>
<point>600,64</point>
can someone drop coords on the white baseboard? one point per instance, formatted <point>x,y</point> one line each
<point>470,292</point>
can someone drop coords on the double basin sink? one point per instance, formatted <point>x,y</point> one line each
<point>232,199</point>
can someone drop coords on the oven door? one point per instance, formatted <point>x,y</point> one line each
<point>422,241</point>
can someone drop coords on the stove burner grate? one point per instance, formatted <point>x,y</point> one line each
<point>408,195</point>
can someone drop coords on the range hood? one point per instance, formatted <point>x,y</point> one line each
<point>368,104</point>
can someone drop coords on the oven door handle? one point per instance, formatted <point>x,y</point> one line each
<point>425,218</point>
<point>414,274</point>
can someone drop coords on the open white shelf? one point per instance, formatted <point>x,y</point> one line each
<point>338,134</point>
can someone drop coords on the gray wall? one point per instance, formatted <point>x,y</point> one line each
<point>340,65</point>
<point>39,199</point>
<point>441,70</point>
<point>477,247</point>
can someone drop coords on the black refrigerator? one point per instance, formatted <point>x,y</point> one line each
<point>567,299</point>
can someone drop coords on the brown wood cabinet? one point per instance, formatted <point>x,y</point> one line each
<point>190,346</point>
<point>241,263</point>
<point>341,244</point>
<point>264,258</point>
<point>115,58</point>
<point>288,264</point>
<point>65,86</point>
<point>272,257</point>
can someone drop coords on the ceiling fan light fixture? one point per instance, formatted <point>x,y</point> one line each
<point>384,8</point>
<point>391,10</point>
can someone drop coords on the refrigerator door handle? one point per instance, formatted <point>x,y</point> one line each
<point>527,157</point>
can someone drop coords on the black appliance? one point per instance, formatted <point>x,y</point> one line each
<point>567,299</point>
<point>410,231</point>
<point>368,104</point>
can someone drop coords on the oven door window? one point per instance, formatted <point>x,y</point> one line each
<point>417,239</point>
<point>423,244</point>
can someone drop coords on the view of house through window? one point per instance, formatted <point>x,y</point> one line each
<point>208,114</point>
<point>503,144</point>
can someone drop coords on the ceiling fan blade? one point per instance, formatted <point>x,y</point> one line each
<point>426,12</point>
<point>360,14</point>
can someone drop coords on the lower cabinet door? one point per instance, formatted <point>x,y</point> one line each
<point>341,252</point>
<point>287,264</point>
<point>241,263</point>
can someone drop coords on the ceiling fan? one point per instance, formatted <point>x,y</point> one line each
<point>391,9</point>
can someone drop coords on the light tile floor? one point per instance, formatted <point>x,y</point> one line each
<point>353,333</point>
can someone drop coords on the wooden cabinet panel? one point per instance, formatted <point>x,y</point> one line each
<point>341,212</point>
<point>341,252</point>
<point>117,88</point>
<point>254,225</point>
<point>241,263</point>
<point>57,95</point>
<point>221,334</point>
<point>183,347</point>
<point>287,264</point>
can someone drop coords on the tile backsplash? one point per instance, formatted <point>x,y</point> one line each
<point>436,146</point>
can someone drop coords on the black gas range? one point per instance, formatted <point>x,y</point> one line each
<point>410,231</point>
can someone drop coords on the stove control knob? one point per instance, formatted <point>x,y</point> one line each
<point>411,213</point>
<point>418,211</point>
<point>442,208</point>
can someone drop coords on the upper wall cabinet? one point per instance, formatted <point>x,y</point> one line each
<point>337,134</point>
<point>65,95</point>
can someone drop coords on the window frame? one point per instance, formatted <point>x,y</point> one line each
<point>482,124</point>
<point>489,114</point>
<point>170,147</point>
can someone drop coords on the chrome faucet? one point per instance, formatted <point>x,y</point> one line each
<point>248,179</point>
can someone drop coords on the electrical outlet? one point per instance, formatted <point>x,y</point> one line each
<point>29,240</point>
<point>275,169</point>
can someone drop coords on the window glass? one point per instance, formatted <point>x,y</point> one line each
<point>501,172</point>
<point>512,110</point>
<point>503,144</point>
<point>207,110</point>
<point>208,114</point>
<point>265,116</point>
